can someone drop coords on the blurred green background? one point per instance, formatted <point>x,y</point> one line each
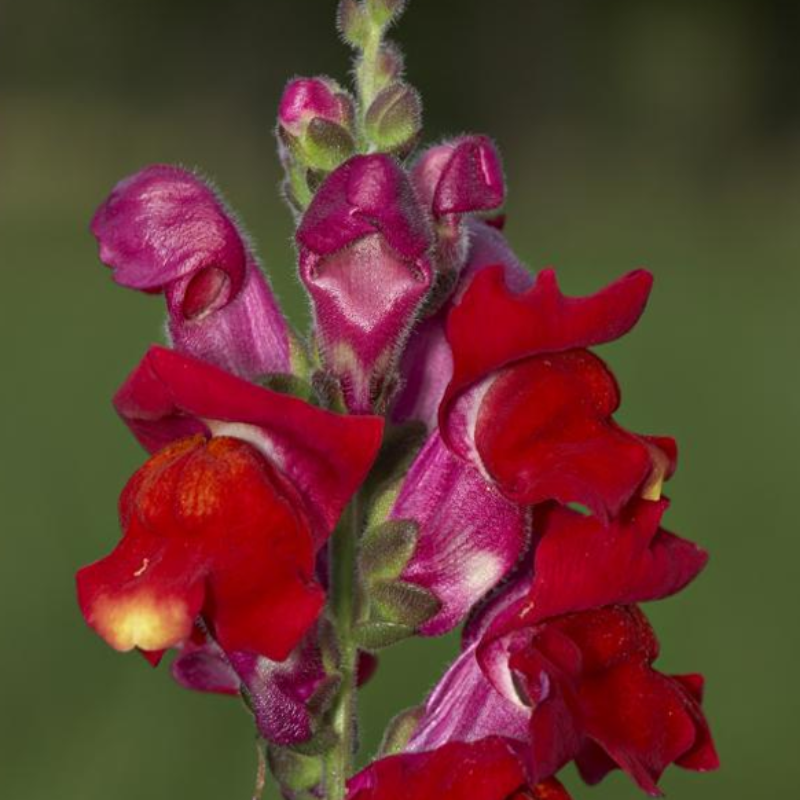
<point>634,132</point>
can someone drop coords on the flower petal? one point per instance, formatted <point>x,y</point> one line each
<point>211,528</point>
<point>465,707</point>
<point>492,327</point>
<point>544,431</point>
<point>485,770</point>
<point>326,456</point>
<point>427,364</point>
<point>469,537</point>
<point>641,718</point>
<point>459,177</point>
<point>582,564</point>
<point>146,594</point>
<point>164,229</point>
<point>364,245</point>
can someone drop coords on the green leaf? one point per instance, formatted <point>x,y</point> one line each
<point>324,695</point>
<point>386,549</point>
<point>294,771</point>
<point>403,603</point>
<point>399,731</point>
<point>322,742</point>
<point>377,635</point>
<point>394,119</point>
<point>326,145</point>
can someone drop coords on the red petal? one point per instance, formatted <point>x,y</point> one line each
<point>582,564</point>
<point>544,432</point>
<point>484,770</point>
<point>492,327</point>
<point>549,671</point>
<point>146,594</point>
<point>551,789</point>
<point>641,718</point>
<point>169,396</point>
<point>703,756</point>
<point>211,527</point>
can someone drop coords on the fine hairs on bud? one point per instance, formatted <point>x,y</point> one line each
<point>353,23</point>
<point>385,12</point>
<point>357,20</point>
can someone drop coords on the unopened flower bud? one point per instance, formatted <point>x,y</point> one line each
<point>461,177</point>
<point>353,23</point>
<point>394,119</point>
<point>384,12</point>
<point>306,99</point>
<point>389,65</point>
<point>315,120</point>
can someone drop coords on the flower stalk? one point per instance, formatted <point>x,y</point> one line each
<point>344,603</point>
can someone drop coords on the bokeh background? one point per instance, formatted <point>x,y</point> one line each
<point>634,132</point>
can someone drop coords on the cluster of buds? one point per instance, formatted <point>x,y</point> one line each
<point>441,450</point>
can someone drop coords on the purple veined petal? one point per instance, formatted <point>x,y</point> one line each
<point>278,692</point>
<point>465,705</point>
<point>470,537</point>
<point>205,668</point>
<point>427,363</point>
<point>165,230</point>
<point>364,259</point>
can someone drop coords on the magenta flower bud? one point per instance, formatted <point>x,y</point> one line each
<point>364,258</point>
<point>460,177</point>
<point>165,230</point>
<point>307,99</point>
<point>468,536</point>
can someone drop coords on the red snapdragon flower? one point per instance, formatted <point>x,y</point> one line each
<point>227,519</point>
<point>533,407</point>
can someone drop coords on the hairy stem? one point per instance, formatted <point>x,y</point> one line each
<point>344,607</point>
<point>366,71</point>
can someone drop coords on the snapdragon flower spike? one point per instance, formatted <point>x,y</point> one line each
<point>533,408</point>
<point>165,230</point>
<point>364,260</point>
<point>487,770</point>
<point>426,367</point>
<point>227,518</point>
<point>469,536</point>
